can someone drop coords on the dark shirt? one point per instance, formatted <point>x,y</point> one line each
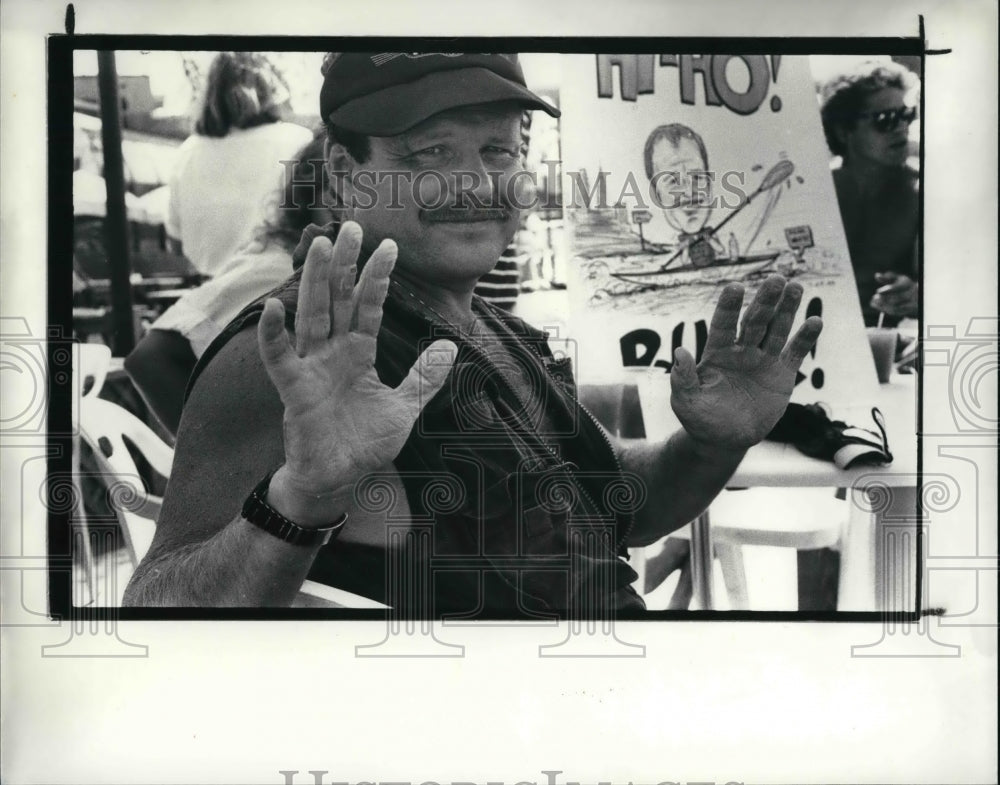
<point>881,224</point>
<point>511,515</point>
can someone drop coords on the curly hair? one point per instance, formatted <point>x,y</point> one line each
<point>843,96</point>
<point>243,90</point>
<point>306,190</point>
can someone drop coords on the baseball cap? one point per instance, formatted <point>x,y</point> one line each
<point>386,93</point>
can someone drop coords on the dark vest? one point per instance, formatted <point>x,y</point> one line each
<point>506,522</point>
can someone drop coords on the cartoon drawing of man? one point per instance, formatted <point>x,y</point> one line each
<point>677,167</point>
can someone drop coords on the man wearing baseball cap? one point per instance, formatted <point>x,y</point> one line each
<point>387,432</point>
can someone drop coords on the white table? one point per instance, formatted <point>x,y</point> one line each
<point>878,555</point>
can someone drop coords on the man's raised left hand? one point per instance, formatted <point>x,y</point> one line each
<point>732,399</point>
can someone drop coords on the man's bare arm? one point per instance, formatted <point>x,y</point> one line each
<point>203,552</point>
<point>726,404</point>
<point>310,405</point>
<point>241,566</point>
<point>680,479</point>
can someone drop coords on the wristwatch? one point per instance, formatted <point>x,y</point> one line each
<point>257,511</point>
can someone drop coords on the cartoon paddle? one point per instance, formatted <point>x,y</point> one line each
<point>780,172</point>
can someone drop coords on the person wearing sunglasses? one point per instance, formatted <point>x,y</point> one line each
<point>867,113</point>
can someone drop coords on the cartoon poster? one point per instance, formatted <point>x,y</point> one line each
<point>683,173</point>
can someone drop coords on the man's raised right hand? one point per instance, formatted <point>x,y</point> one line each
<point>340,421</point>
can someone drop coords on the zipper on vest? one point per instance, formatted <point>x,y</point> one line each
<point>614,456</point>
<point>607,442</point>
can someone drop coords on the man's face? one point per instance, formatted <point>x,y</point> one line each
<point>682,184</point>
<point>872,141</point>
<point>440,191</point>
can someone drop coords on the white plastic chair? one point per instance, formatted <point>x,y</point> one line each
<point>809,518</point>
<point>105,427</point>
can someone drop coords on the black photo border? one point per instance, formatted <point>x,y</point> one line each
<point>60,49</point>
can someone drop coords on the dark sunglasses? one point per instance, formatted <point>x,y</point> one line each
<point>887,120</point>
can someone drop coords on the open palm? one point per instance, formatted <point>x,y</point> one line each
<point>741,387</point>
<point>340,420</point>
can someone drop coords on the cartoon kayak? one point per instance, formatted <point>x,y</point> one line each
<point>719,270</point>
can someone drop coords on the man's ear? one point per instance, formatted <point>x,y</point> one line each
<point>340,168</point>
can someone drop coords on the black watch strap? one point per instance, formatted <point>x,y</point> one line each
<point>257,511</point>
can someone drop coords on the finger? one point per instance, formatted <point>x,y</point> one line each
<point>726,318</point>
<point>684,374</point>
<point>893,289</point>
<point>275,348</point>
<point>312,319</point>
<point>804,340</point>
<point>887,305</point>
<point>310,233</point>
<point>758,316</point>
<point>888,300</point>
<point>344,275</point>
<point>428,373</point>
<point>784,315</point>
<point>900,292</point>
<point>372,288</point>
